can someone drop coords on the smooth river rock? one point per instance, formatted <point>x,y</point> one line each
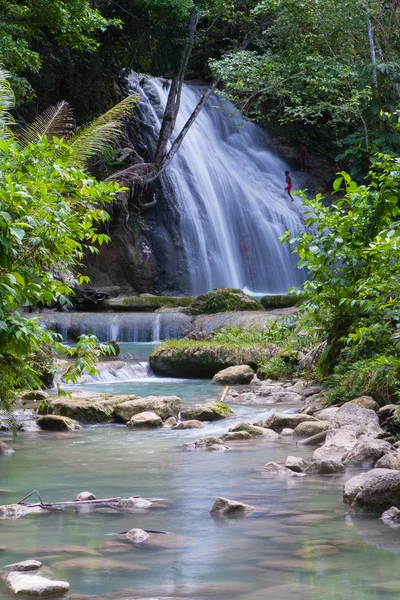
<point>309,428</point>
<point>279,421</point>
<point>374,491</point>
<point>16,511</point>
<point>255,431</point>
<point>84,496</point>
<point>135,536</point>
<point>240,374</point>
<point>365,402</point>
<point>274,469</point>
<point>34,585</point>
<point>145,419</point>
<point>194,424</point>
<point>210,411</point>
<point>25,565</point>
<point>296,464</point>
<point>228,508</point>
<point>211,443</point>
<point>366,452</point>
<point>6,449</point>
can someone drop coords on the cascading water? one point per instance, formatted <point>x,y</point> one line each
<point>228,187</point>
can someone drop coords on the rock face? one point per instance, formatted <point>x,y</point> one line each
<point>308,429</point>
<point>241,374</point>
<point>296,464</point>
<point>211,443</point>
<point>189,425</point>
<point>228,508</point>
<point>145,419</point>
<point>280,421</point>
<point>57,423</point>
<point>34,585</point>
<point>211,411</point>
<point>223,300</point>
<point>6,449</point>
<point>163,406</point>
<point>350,423</point>
<point>374,491</point>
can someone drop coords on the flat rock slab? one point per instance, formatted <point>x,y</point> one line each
<point>16,511</point>
<point>25,565</point>
<point>58,423</point>
<point>162,406</point>
<point>34,585</point>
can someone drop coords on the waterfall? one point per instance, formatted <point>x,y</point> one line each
<point>228,187</point>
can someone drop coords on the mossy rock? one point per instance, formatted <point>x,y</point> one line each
<point>280,301</point>
<point>223,300</point>
<point>190,358</point>
<point>145,303</point>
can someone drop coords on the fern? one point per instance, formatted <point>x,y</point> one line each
<point>56,121</point>
<point>7,102</point>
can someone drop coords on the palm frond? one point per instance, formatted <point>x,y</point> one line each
<point>7,419</point>
<point>100,134</point>
<point>56,121</point>
<point>7,102</point>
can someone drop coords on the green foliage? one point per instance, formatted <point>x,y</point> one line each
<point>351,253</point>
<point>276,368</point>
<point>276,332</point>
<point>68,23</point>
<point>50,209</point>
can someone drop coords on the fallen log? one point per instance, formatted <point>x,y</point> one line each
<point>314,440</point>
<point>74,503</point>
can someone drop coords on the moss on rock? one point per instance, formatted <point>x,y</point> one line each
<point>280,301</point>
<point>145,303</point>
<point>191,358</point>
<point>223,300</point>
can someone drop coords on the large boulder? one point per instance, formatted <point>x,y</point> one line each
<point>327,414</point>
<point>391,460</point>
<point>211,411</point>
<point>366,452</point>
<point>58,423</point>
<point>145,419</point>
<point>191,358</point>
<point>223,300</point>
<point>34,585</point>
<point>328,466</point>
<point>374,491</point>
<point>163,406</point>
<point>229,508</point>
<point>279,421</point>
<point>241,374</point>
<point>349,424</point>
<point>310,428</point>
<point>83,406</point>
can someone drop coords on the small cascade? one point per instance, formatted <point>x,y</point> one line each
<point>117,373</point>
<point>123,327</point>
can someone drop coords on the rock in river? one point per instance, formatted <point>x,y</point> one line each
<point>58,423</point>
<point>163,406</point>
<point>228,508</point>
<point>280,421</point>
<point>240,374</point>
<point>84,496</point>
<point>6,449</point>
<point>211,411</point>
<point>25,565</point>
<point>309,428</point>
<point>34,585</point>
<point>15,511</point>
<point>296,464</point>
<point>145,419</point>
<point>274,469</point>
<point>207,443</point>
<point>374,491</point>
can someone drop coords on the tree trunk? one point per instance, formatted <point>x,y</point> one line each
<point>373,54</point>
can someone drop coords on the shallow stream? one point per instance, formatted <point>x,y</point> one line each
<point>300,543</point>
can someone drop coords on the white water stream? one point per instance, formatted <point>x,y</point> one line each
<point>229,188</point>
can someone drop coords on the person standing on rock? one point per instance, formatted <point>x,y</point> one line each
<point>289,185</point>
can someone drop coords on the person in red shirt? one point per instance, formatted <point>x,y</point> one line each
<point>289,185</point>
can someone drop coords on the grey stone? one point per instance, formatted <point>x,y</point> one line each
<point>240,374</point>
<point>162,406</point>
<point>326,467</point>
<point>393,514</point>
<point>170,422</point>
<point>211,411</point>
<point>365,402</point>
<point>207,443</point>
<point>25,565</point>
<point>254,430</point>
<point>296,464</point>
<point>366,452</point>
<point>308,429</point>
<point>327,414</point>
<point>226,507</point>
<point>389,461</point>
<point>373,491</point>
<point>189,425</point>
<point>16,511</point>
<point>145,419</point>
<point>272,468</point>
<point>135,536</point>
<point>6,449</point>
<point>82,496</point>
<point>34,585</point>
<point>287,432</point>
<point>235,436</point>
<point>58,423</point>
<point>279,421</point>
<point>35,395</point>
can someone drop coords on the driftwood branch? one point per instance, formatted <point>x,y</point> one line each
<point>74,503</point>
